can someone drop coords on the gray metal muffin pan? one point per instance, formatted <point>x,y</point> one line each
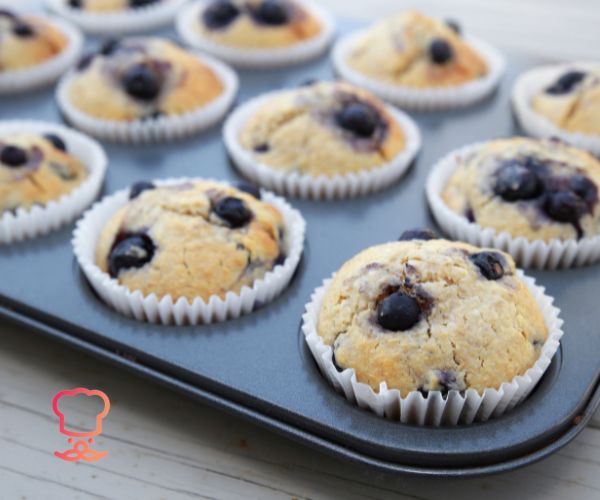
<point>258,366</point>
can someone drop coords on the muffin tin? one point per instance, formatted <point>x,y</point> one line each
<point>258,366</point>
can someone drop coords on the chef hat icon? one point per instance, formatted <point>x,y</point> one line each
<point>76,392</point>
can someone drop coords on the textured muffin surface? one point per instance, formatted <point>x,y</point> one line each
<point>257,24</point>
<point>34,170</point>
<point>413,50</point>
<point>27,41</point>
<point>467,321</point>
<point>194,239</point>
<point>572,101</point>
<point>540,190</point>
<point>142,78</point>
<point>323,129</point>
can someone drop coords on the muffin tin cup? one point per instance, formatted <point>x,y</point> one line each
<point>129,21</point>
<point>435,409</point>
<point>424,99</point>
<point>537,125</point>
<point>165,310</point>
<point>307,186</point>
<point>254,57</point>
<point>38,220</point>
<point>46,72</point>
<point>165,128</point>
<point>539,254</point>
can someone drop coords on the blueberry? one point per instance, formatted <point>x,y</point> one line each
<point>280,260</point>
<point>141,83</point>
<point>418,234</point>
<point>13,156</point>
<point>23,30</point>
<point>249,188</point>
<point>516,182</point>
<point>447,380</point>
<point>360,119</point>
<point>233,211</point>
<point>130,250</point>
<point>398,312</point>
<point>272,12</point>
<point>261,148</point>
<point>584,188</point>
<point>335,363</point>
<point>76,4</point>
<point>220,14</point>
<point>309,82</point>
<point>153,115</point>
<point>566,82</point>
<point>109,47</point>
<point>454,26</point>
<point>563,206</point>
<point>141,3</point>
<point>56,141</point>
<point>440,51</point>
<point>139,187</point>
<point>489,263</point>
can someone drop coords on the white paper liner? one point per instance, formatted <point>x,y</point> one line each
<point>307,186</point>
<point>531,83</point>
<point>164,310</point>
<point>425,99</point>
<point>37,220</point>
<point>539,254</point>
<point>459,407</point>
<point>254,57</point>
<point>164,128</point>
<point>45,73</point>
<point>120,23</point>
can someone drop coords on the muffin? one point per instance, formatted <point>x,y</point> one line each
<point>103,6</point>
<point>195,239</point>
<point>36,169</point>
<point>431,315</point>
<point>257,32</point>
<point>572,101</point>
<point>28,41</point>
<point>536,189</point>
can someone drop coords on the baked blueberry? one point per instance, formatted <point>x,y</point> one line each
<point>309,82</point>
<point>85,61</point>
<point>418,234</point>
<point>517,182</point>
<point>490,264</point>
<point>141,3</point>
<point>440,51</point>
<point>454,26</point>
<point>564,206</point>
<point>56,141</point>
<point>358,118</point>
<point>130,251</point>
<point>13,156</point>
<point>584,188</point>
<point>23,30</point>
<point>566,82</point>
<point>233,211</point>
<point>220,14</point>
<point>272,12</point>
<point>398,312</point>
<point>139,187</point>
<point>261,148</point>
<point>249,188</point>
<point>141,83</point>
<point>109,47</point>
<point>76,4</point>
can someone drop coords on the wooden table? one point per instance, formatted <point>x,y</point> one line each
<point>162,445</point>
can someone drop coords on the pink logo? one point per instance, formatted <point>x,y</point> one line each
<point>80,449</point>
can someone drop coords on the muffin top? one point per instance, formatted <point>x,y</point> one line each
<point>193,239</point>
<point>431,316</point>
<point>141,78</point>
<point>36,169</point>
<point>538,189</point>
<point>413,50</point>
<point>257,24</point>
<point>572,101</point>
<point>323,128</point>
<point>27,41</point>
<point>104,6</point>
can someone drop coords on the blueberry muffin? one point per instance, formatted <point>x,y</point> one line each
<point>194,239</point>
<point>572,101</point>
<point>538,189</point>
<point>36,169</point>
<point>141,78</point>
<point>413,50</point>
<point>27,41</point>
<point>431,315</point>
<point>105,6</point>
<point>257,24</point>
<point>323,128</point>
